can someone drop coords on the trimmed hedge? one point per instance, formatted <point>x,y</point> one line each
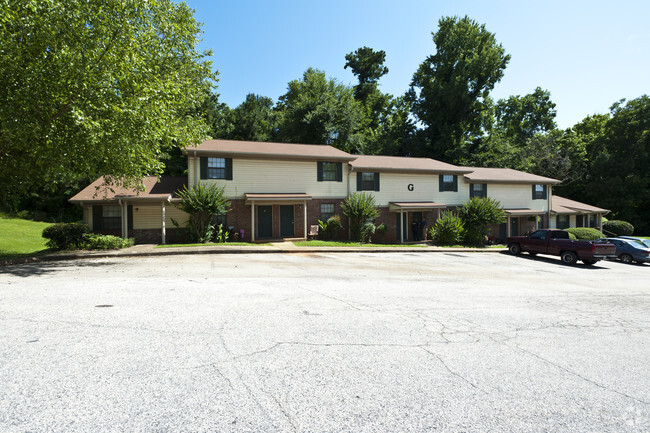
<point>105,242</point>
<point>65,236</point>
<point>618,227</point>
<point>586,233</point>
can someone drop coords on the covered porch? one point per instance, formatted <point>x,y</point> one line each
<point>277,215</point>
<point>519,221</point>
<point>405,211</point>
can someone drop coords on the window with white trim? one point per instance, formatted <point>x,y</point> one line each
<point>326,211</point>
<point>216,168</point>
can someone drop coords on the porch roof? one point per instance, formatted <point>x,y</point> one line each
<point>154,189</point>
<point>521,212</point>
<point>418,206</point>
<point>277,197</point>
<point>567,206</point>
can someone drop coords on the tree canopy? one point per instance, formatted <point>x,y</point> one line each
<point>318,110</point>
<point>449,89</point>
<point>100,87</point>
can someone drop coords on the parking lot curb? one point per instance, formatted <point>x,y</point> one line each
<point>151,251</point>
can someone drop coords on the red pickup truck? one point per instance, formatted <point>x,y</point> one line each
<point>557,243</point>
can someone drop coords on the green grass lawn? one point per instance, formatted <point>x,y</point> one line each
<point>317,243</point>
<point>20,237</point>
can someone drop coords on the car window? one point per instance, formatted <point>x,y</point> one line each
<point>540,234</point>
<point>560,235</point>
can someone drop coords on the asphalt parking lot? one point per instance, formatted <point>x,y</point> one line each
<point>325,342</point>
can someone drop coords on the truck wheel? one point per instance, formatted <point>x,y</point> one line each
<point>626,258</point>
<point>569,258</point>
<point>589,262</point>
<point>515,249</point>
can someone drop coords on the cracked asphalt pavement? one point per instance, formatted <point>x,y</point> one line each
<point>325,342</point>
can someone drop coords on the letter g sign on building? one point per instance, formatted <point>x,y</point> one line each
<point>410,187</point>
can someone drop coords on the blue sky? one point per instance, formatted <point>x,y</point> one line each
<point>589,54</point>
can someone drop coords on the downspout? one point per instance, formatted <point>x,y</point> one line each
<point>195,181</point>
<point>350,170</point>
<point>549,204</point>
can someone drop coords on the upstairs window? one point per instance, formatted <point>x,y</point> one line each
<point>539,192</point>
<point>448,182</point>
<point>330,171</point>
<point>367,181</point>
<point>216,168</point>
<point>478,190</point>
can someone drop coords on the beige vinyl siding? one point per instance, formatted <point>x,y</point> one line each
<point>173,212</point>
<point>514,196</point>
<point>150,216</point>
<point>393,187</point>
<point>273,176</point>
<point>452,198</point>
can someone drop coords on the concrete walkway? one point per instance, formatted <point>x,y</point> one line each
<point>274,247</point>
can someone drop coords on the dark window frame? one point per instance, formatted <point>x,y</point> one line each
<point>216,168</point>
<point>446,185</point>
<point>482,193</point>
<point>540,194</point>
<point>329,171</point>
<point>366,184</point>
<point>209,168</point>
<point>561,223</point>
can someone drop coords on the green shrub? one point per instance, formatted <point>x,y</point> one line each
<point>221,236</point>
<point>367,230</point>
<point>330,228</point>
<point>65,236</point>
<point>448,229</point>
<point>360,207</point>
<point>618,227</point>
<point>93,241</point>
<point>477,214</point>
<point>202,203</point>
<point>573,237</point>
<point>586,233</point>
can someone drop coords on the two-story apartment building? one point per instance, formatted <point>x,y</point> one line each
<point>278,190</point>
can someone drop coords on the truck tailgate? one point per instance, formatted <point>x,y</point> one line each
<point>604,249</point>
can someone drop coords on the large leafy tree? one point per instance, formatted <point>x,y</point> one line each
<point>519,118</point>
<point>387,124</point>
<point>318,110</point>
<point>449,89</point>
<point>96,87</point>
<point>620,179</point>
<point>254,119</point>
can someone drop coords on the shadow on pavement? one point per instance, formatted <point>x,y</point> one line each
<point>44,268</point>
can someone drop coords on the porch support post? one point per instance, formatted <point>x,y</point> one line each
<point>304,233</point>
<point>125,215</point>
<point>401,226</point>
<point>508,227</point>
<point>252,221</point>
<point>164,231</point>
